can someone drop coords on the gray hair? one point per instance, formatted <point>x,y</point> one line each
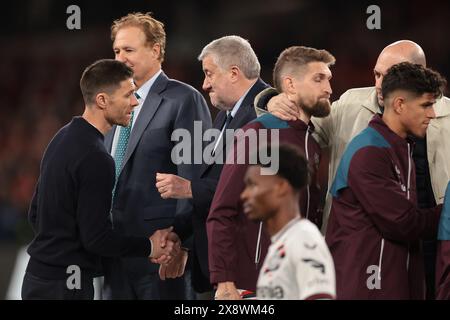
<point>233,51</point>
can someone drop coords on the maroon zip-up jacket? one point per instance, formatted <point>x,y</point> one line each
<point>375,225</point>
<point>232,237</point>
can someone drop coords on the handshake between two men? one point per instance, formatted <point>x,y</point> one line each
<point>166,244</point>
<point>168,253</point>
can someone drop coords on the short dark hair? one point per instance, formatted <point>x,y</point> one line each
<point>298,56</point>
<point>103,75</point>
<point>413,78</point>
<point>293,165</point>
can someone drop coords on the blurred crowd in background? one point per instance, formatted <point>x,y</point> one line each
<point>42,61</point>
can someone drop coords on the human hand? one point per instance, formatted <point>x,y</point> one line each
<point>172,186</point>
<point>282,107</point>
<point>227,291</point>
<point>175,268</point>
<point>165,245</point>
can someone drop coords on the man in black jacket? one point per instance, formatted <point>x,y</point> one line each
<point>70,209</point>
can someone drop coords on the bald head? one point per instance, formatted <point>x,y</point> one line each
<point>403,51</point>
<point>397,52</point>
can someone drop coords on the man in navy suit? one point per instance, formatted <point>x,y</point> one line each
<point>142,150</point>
<point>232,81</point>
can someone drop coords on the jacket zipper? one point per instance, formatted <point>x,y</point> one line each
<point>408,194</point>
<point>307,186</point>
<point>258,246</point>
<point>380,259</point>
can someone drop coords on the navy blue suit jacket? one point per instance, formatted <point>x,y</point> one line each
<point>138,208</point>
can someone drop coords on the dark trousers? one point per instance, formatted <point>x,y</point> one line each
<point>36,288</point>
<point>121,283</point>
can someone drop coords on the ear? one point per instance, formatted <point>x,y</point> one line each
<point>398,104</point>
<point>156,49</point>
<point>101,100</point>
<point>289,85</point>
<point>234,73</point>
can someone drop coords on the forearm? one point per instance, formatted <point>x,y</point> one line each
<point>106,242</point>
<point>182,224</point>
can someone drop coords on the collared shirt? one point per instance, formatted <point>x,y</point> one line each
<point>233,114</point>
<point>142,93</point>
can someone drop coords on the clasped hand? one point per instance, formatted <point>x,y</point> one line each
<point>168,253</point>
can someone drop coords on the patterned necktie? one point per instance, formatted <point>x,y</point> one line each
<point>119,154</point>
<point>122,144</point>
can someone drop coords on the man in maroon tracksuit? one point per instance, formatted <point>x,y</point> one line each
<point>375,225</point>
<point>236,245</point>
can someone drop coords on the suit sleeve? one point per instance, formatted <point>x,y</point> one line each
<point>373,183</point>
<point>203,193</point>
<point>193,109</point>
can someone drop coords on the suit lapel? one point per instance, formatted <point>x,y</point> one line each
<point>149,108</point>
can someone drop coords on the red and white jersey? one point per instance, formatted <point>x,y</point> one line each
<point>298,265</point>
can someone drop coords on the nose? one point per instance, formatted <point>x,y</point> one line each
<point>328,89</point>
<point>431,114</point>
<point>134,101</point>
<point>206,85</point>
<point>244,195</point>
